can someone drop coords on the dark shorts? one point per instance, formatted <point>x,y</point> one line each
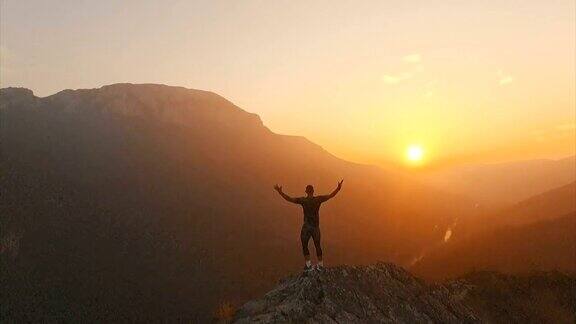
<point>308,232</point>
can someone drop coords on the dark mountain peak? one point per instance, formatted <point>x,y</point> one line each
<point>16,91</point>
<point>386,293</point>
<point>187,107</point>
<point>16,96</point>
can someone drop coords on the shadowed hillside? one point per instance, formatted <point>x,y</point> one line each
<point>536,234</point>
<point>546,245</point>
<point>139,202</point>
<point>548,205</point>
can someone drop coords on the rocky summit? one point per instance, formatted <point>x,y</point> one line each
<point>386,293</point>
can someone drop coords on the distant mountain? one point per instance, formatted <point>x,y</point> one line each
<point>541,246</point>
<point>385,293</point>
<point>505,183</point>
<point>535,234</point>
<point>140,202</point>
<point>549,205</point>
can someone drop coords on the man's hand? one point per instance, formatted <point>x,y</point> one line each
<point>331,195</point>
<point>278,188</point>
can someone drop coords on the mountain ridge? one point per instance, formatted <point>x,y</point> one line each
<point>172,104</point>
<point>11,93</point>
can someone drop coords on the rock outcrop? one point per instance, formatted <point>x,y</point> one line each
<point>386,293</point>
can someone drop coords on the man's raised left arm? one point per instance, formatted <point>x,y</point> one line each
<point>333,193</point>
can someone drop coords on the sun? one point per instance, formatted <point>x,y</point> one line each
<point>414,153</point>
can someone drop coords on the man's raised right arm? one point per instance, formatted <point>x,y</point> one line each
<point>285,196</point>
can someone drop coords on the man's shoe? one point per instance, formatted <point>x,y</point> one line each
<point>319,267</point>
<point>307,269</point>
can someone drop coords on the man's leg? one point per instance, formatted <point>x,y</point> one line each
<point>305,234</point>
<point>317,244</point>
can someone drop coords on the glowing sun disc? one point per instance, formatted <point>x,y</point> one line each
<point>414,153</point>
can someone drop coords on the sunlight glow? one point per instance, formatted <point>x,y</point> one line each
<point>414,153</point>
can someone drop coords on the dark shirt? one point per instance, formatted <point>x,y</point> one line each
<point>311,207</point>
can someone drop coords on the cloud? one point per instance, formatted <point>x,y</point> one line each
<point>415,68</point>
<point>397,78</point>
<point>504,79</point>
<point>412,58</point>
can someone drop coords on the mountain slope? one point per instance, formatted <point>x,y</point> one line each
<point>387,293</point>
<point>535,234</point>
<point>548,205</point>
<point>545,245</point>
<point>147,201</point>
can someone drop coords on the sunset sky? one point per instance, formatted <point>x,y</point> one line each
<point>464,81</point>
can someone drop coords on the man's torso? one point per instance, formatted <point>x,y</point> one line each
<point>311,208</point>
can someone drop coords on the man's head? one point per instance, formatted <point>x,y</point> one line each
<point>309,190</point>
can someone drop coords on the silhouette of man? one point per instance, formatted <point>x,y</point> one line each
<point>311,227</point>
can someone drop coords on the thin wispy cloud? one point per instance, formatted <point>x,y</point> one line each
<point>396,78</point>
<point>416,67</point>
<point>412,58</point>
<point>504,79</point>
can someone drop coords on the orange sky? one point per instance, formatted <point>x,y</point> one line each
<point>469,81</point>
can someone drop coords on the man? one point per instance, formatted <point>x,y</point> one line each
<point>311,227</point>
